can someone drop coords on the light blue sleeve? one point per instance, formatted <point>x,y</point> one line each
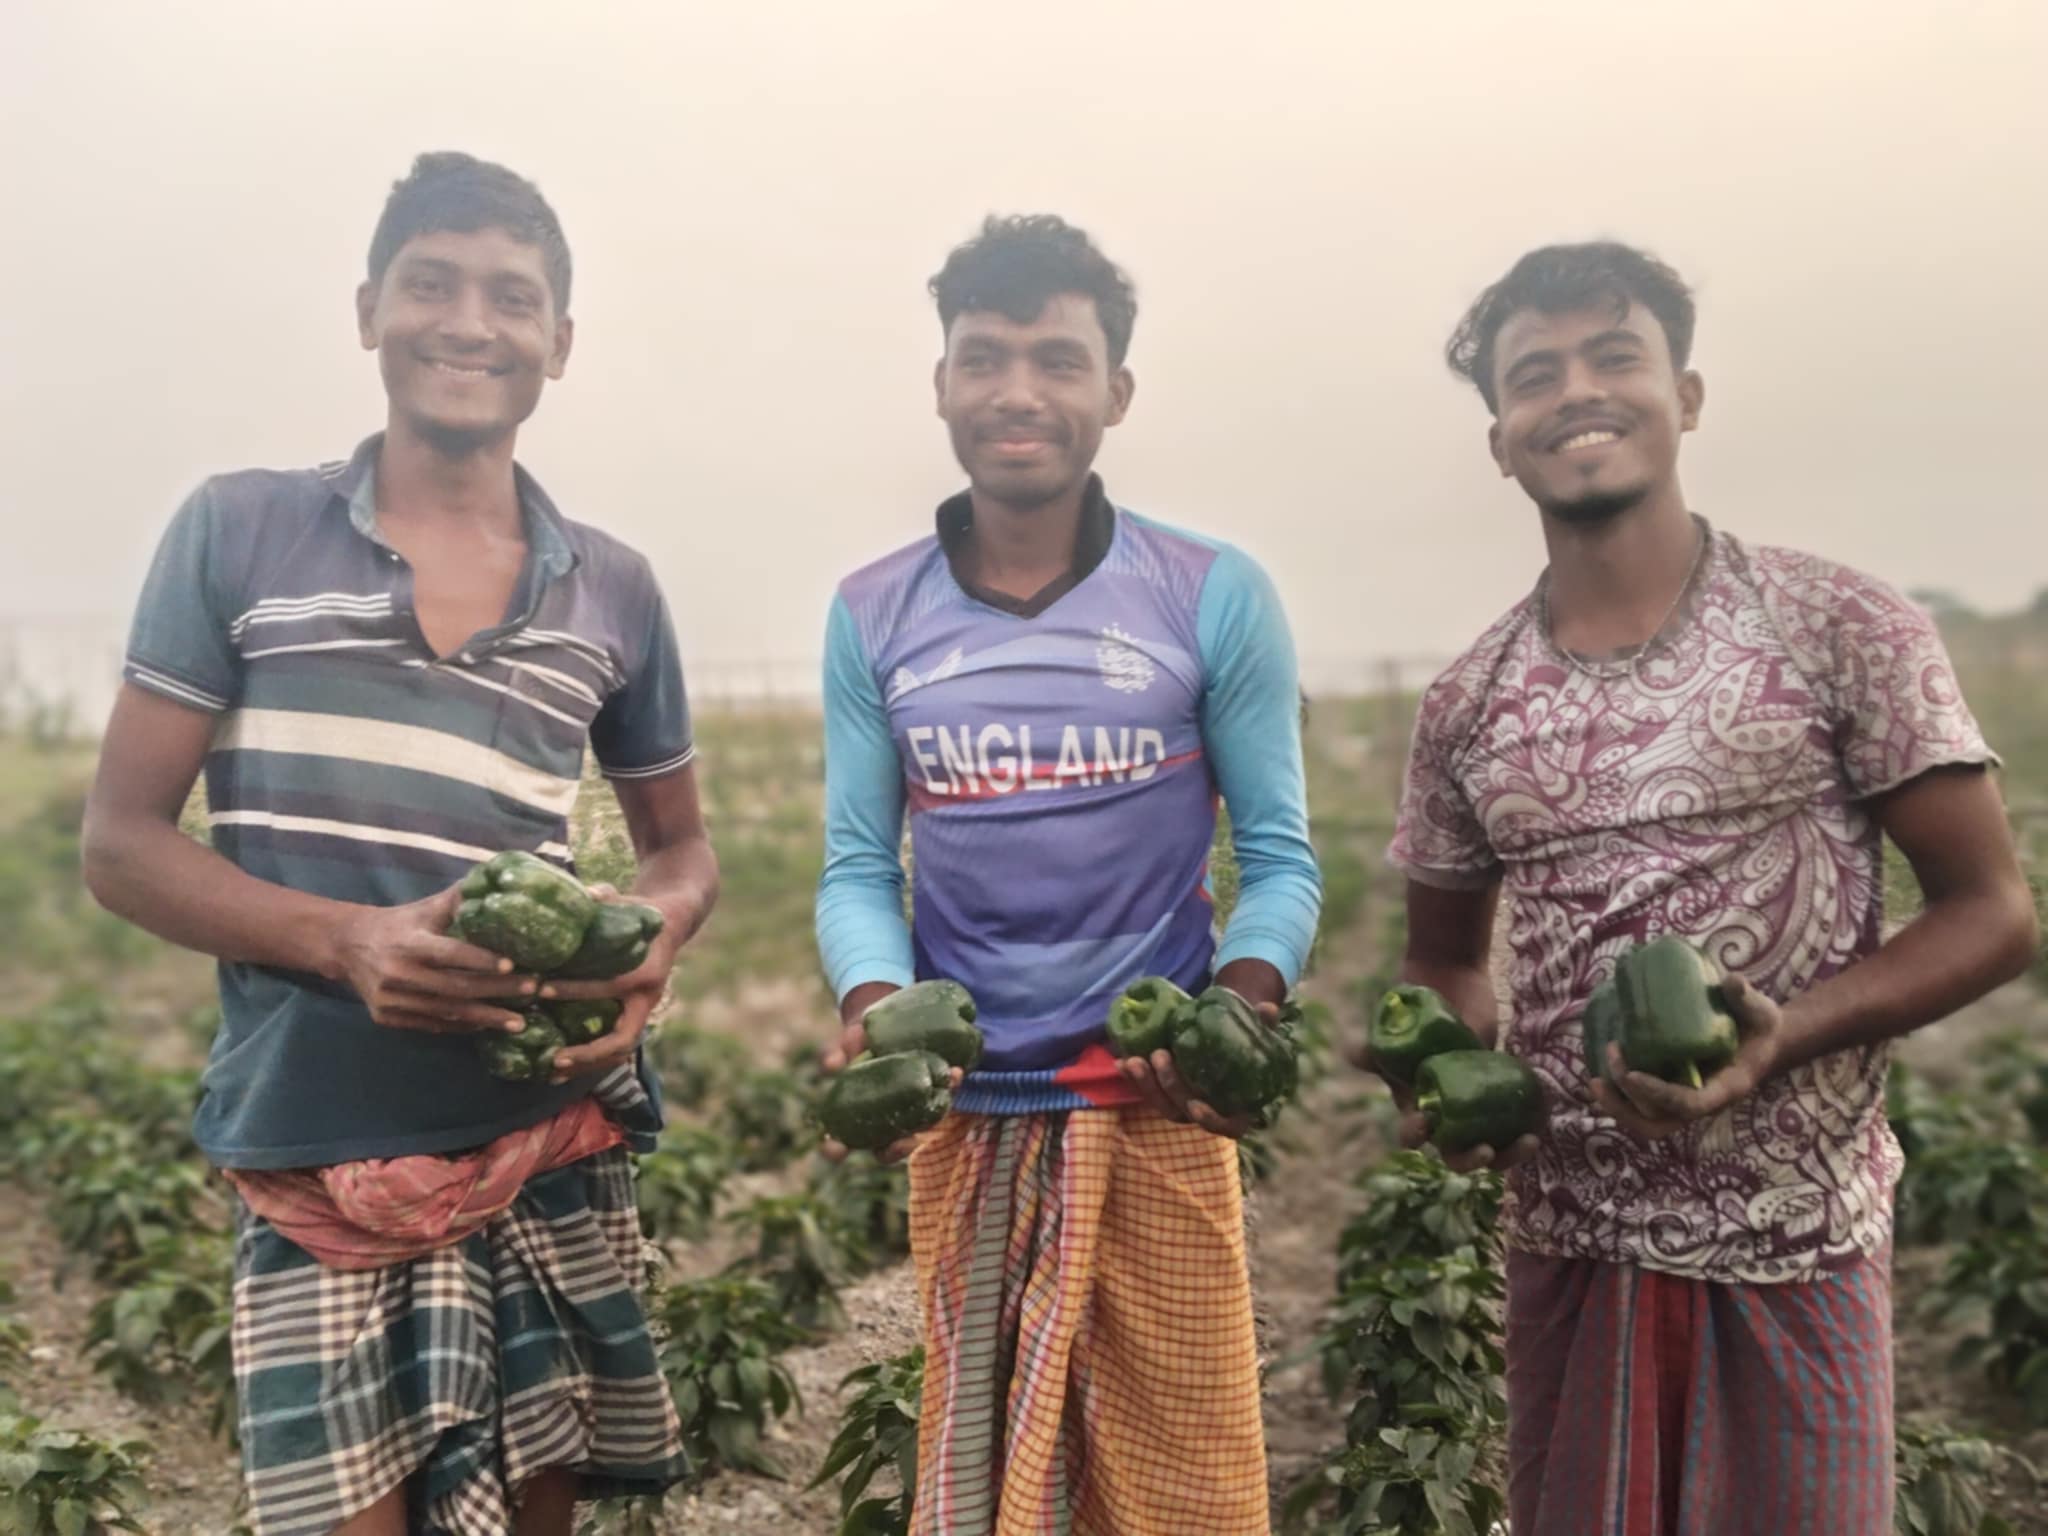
<point>1251,730</point>
<point>862,936</point>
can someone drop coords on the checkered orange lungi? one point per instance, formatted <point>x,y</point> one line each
<point>1090,1362</point>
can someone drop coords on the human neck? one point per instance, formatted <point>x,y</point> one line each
<point>1612,585</point>
<point>1019,550</point>
<point>424,482</point>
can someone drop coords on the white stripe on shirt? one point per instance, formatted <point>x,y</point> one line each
<point>391,744</point>
<point>321,826</point>
<point>157,682</point>
<point>322,645</point>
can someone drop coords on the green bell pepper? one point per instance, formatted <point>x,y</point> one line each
<point>1478,1098</point>
<point>1600,1027</point>
<point>527,1057</point>
<point>524,908</point>
<point>1411,1025</point>
<point>878,1100</point>
<point>1674,1021</point>
<point>1143,1017</point>
<point>936,1016</point>
<point>615,942</point>
<point>1230,1058</point>
<point>578,1021</point>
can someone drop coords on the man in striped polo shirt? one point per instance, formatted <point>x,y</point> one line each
<point>389,669</point>
<point>1057,691</point>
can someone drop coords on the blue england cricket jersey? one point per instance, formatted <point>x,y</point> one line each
<point>1061,771</point>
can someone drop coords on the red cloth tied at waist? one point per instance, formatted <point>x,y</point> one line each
<point>386,1210</point>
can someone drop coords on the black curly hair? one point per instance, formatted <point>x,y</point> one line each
<point>1016,264</point>
<point>447,189</point>
<point>1560,278</point>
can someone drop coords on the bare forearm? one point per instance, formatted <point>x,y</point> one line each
<point>863,997</point>
<point>1952,954</point>
<point>1256,981</point>
<point>156,877</point>
<point>1450,948</point>
<point>681,880</point>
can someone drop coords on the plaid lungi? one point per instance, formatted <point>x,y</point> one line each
<point>1090,1360</point>
<point>1643,1404</point>
<point>461,1374</point>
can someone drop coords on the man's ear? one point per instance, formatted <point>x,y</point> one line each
<point>366,315</point>
<point>565,338</point>
<point>1692,399</point>
<point>1123,384</point>
<point>1499,451</point>
<point>939,388</point>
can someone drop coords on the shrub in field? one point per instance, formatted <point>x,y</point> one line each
<point>44,908</point>
<point>678,1183</point>
<point>718,1341</point>
<point>1416,1207</point>
<point>2018,1072</point>
<point>802,1251</point>
<point>1968,1167</point>
<point>155,1106</point>
<point>766,1116</point>
<point>1415,1339</point>
<point>1999,1282</point>
<point>1972,1177</point>
<point>114,1200</point>
<point>1941,1482</point>
<point>871,1202</point>
<point>1963,1188</point>
<point>166,1329</point>
<point>106,1137</point>
<point>61,1482</point>
<point>877,1432</point>
<point>697,1066</point>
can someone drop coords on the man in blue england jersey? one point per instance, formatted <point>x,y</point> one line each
<point>1057,692</point>
<point>390,668</point>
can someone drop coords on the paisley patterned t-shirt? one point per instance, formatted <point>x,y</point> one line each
<point>1716,792</point>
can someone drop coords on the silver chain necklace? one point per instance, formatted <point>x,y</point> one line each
<point>1608,672</point>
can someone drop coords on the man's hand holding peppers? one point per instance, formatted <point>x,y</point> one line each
<point>412,974</point>
<point>1650,1108</point>
<point>1414,1129</point>
<point>853,1039</point>
<point>1162,1088</point>
<point>639,990</point>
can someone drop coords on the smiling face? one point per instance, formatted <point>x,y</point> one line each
<point>1591,409</point>
<point>1026,405</point>
<point>466,333</point>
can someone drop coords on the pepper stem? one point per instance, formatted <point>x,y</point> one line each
<point>1427,1105</point>
<point>1692,1074</point>
<point>1394,1028</point>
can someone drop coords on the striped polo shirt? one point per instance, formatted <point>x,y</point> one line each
<point>351,762</point>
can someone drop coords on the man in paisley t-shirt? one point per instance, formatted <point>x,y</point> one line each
<point>1679,732</point>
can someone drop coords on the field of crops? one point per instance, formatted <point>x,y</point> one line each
<point>781,1292</point>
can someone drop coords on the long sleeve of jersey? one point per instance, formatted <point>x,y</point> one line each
<point>1251,730</point>
<point>862,935</point>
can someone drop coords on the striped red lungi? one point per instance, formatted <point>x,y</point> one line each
<point>1643,1404</point>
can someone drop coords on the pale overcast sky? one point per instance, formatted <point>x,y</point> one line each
<point>1306,193</point>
